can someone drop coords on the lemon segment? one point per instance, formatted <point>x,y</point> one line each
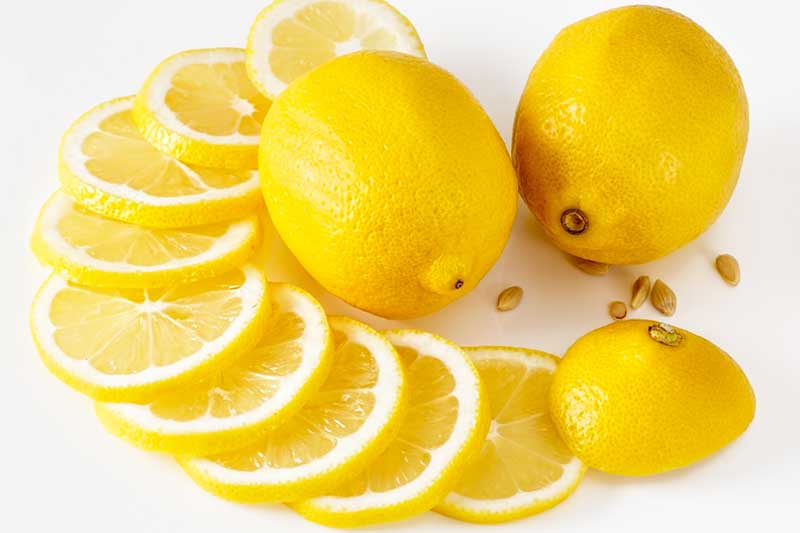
<point>335,434</point>
<point>129,345</point>
<point>291,37</point>
<point>200,107</point>
<point>239,403</point>
<point>524,468</point>
<point>446,424</point>
<point>92,250</point>
<point>107,166</point>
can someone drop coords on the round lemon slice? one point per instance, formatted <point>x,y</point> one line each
<point>100,252</point>
<point>291,37</point>
<point>446,424</point>
<point>237,404</point>
<point>129,345</point>
<point>342,428</point>
<point>107,166</point>
<point>524,468</point>
<point>200,107</point>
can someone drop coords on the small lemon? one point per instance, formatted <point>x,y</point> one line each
<point>630,134</point>
<point>388,181</point>
<point>637,397</point>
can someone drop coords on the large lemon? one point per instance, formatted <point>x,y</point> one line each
<point>638,397</point>
<point>388,181</point>
<point>630,134</point>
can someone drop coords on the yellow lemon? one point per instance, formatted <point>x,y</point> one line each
<point>630,134</point>
<point>388,181</point>
<point>638,397</point>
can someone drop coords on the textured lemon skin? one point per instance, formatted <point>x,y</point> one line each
<point>147,392</point>
<point>388,181</point>
<point>639,118</point>
<point>628,405</point>
<point>425,500</point>
<point>310,487</point>
<point>466,514</point>
<point>187,149</point>
<point>153,216</point>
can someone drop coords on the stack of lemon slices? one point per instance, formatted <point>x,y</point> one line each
<point>157,311</point>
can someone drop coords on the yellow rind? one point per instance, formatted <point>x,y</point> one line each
<point>310,487</point>
<point>183,148</point>
<point>198,444</point>
<point>246,339</point>
<point>431,496</point>
<point>468,515</point>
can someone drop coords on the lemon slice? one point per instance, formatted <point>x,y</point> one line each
<point>237,404</point>
<point>291,37</point>
<point>131,344</point>
<point>200,107</point>
<point>447,421</point>
<point>524,468</point>
<point>342,428</point>
<point>106,165</point>
<point>100,252</point>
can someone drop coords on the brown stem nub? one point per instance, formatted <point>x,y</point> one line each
<point>574,221</point>
<point>459,283</point>
<point>665,334</point>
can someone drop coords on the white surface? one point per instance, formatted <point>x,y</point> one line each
<point>62,472</point>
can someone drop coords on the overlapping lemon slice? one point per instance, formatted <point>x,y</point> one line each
<point>342,428</point>
<point>236,405</point>
<point>291,37</point>
<point>524,468</point>
<point>101,252</point>
<point>107,166</point>
<point>200,107</point>
<point>446,425</point>
<point>128,345</point>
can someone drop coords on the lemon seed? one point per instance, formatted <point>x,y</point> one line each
<point>592,267</point>
<point>617,310</point>
<point>663,298</point>
<point>728,268</point>
<point>640,291</point>
<point>509,298</point>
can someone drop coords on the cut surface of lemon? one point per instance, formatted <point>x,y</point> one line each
<point>239,403</point>
<point>446,424</point>
<point>200,107</point>
<point>129,345</point>
<point>335,434</point>
<point>291,37</point>
<point>524,467</point>
<point>106,165</point>
<point>92,250</point>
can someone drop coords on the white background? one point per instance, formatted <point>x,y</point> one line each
<point>60,470</point>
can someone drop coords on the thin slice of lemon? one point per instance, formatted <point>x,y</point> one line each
<point>291,37</point>
<point>107,166</point>
<point>129,345</point>
<point>101,252</point>
<point>447,421</point>
<point>200,107</point>
<point>239,403</point>
<point>342,428</point>
<point>524,468</point>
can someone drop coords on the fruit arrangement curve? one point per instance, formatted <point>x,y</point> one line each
<point>387,180</point>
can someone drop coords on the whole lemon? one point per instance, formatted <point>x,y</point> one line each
<point>388,181</point>
<point>630,134</point>
<point>638,397</point>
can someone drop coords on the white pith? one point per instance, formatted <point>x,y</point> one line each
<point>386,391</point>
<point>59,205</point>
<point>251,293</point>
<point>259,42</point>
<point>466,391</point>
<point>160,83</point>
<point>285,298</point>
<point>572,470</point>
<point>74,159</point>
